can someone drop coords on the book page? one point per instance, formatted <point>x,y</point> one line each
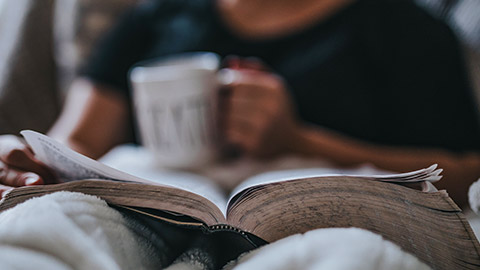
<point>428,225</point>
<point>430,174</point>
<point>137,161</point>
<point>70,166</point>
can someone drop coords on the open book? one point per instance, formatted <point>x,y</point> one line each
<point>269,207</point>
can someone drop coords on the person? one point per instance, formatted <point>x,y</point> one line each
<point>353,82</point>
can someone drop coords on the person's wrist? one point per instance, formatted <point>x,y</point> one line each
<point>308,140</point>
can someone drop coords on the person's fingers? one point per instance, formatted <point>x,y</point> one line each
<point>17,155</point>
<point>241,125</point>
<point>248,63</point>
<point>256,104</point>
<point>231,61</point>
<point>16,178</point>
<point>250,122</point>
<point>253,111</point>
<point>254,63</point>
<point>253,105</point>
<point>248,99</point>
<point>23,160</point>
<point>241,140</point>
<point>245,108</point>
<point>253,83</point>
<point>246,130</point>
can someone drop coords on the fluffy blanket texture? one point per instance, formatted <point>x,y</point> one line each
<point>76,231</point>
<point>72,231</point>
<point>474,196</point>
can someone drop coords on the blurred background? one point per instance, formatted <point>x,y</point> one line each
<point>43,42</point>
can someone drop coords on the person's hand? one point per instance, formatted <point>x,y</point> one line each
<point>256,114</point>
<point>19,167</point>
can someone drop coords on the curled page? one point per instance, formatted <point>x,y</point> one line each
<point>430,174</point>
<point>70,165</point>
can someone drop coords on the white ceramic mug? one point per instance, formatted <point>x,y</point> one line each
<point>175,107</point>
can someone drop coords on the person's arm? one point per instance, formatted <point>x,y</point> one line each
<point>94,120</point>
<point>460,170</point>
<point>260,120</point>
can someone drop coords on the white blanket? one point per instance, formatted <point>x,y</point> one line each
<point>75,231</point>
<point>334,248</point>
<point>71,231</point>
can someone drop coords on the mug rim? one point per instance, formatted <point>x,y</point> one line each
<point>174,67</point>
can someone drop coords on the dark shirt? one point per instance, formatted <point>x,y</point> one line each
<point>383,71</point>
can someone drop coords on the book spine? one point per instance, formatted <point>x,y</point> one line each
<point>226,227</point>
